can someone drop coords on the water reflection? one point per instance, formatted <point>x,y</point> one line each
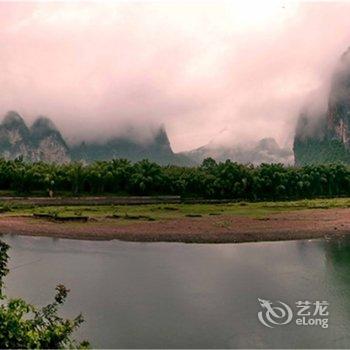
<point>337,252</point>
<point>187,296</point>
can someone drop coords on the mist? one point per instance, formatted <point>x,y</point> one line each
<point>97,69</point>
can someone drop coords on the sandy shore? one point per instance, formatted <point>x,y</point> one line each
<point>302,224</point>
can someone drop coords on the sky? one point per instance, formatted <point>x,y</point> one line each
<point>226,72</point>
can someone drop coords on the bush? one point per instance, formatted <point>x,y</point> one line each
<point>23,325</point>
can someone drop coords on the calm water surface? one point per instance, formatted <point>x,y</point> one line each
<point>169,295</point>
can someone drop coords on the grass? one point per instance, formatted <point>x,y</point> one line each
<point>173,211</point>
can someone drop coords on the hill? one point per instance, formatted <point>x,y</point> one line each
<point>264,151</point>
<point>325,137</point>
<point>44,142</point>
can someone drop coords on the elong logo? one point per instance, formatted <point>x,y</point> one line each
<point>274,315</point>
<point>279,313</point>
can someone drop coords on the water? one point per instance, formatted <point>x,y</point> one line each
<point>169,295</point>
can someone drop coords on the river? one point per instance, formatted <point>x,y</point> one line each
<point>173,295</point>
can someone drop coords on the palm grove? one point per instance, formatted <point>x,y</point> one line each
<point>227,179</point>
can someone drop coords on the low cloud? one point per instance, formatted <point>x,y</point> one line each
<point>97,68</point>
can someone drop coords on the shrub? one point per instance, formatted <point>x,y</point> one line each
<point>23,325</point>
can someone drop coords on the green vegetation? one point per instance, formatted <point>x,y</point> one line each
<point>210,180</point>
<point>315,151</point>
<point>151,212</point>
<point>25,326</point>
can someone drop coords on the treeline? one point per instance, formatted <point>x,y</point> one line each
<point>209,180</point>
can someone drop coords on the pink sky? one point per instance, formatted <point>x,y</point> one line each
<point>228,71</point>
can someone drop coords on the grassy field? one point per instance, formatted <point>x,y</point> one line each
<point>172,211</point>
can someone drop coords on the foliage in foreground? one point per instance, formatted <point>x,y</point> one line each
<point>23,325</point>
<point>209,180</point>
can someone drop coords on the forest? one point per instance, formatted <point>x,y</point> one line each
<point>212,180</point>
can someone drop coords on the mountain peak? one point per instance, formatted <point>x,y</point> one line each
<point>13,119</point>
<point>43,123</point>
<point>43,127</point>
<point>161,137</point>
<point>44,142</point>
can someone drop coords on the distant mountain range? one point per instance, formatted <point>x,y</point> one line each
<point>157,149</point>
<point>42,141</point>
<point>264,151</point>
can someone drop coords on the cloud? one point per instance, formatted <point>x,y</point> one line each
<point>95,68</point>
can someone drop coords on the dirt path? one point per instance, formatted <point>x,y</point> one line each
<point>303,224</point>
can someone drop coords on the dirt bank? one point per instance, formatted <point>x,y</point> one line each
<point>302,224</point>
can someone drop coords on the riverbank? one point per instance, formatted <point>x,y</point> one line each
<point>190,223</point>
